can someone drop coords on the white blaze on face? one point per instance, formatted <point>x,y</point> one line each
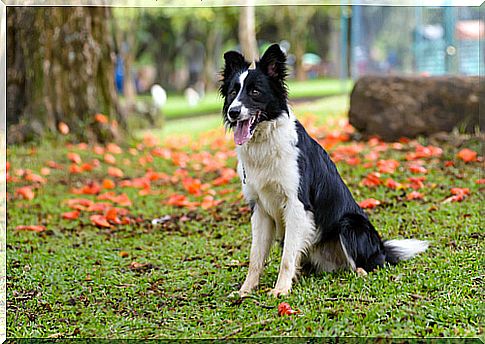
<point>237,102</point>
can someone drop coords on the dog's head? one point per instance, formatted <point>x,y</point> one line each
<point>253,95</point>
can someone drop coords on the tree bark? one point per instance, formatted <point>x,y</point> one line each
<point>247,32</point>
<point>394,107</point>
<point>60,69</point>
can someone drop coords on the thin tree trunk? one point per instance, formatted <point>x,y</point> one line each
<point>247,32</point>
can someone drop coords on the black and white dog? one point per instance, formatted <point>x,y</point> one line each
<point>291,184</point>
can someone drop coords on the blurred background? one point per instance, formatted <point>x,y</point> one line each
<point>139,66</point>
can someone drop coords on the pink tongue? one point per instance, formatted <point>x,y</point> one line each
<point>242,133</point>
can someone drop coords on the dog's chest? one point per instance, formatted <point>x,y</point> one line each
<point>269,168</point>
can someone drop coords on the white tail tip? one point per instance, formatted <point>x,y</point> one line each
<point>407,248</point>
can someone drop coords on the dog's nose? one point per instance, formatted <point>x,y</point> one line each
<point>234,113</point>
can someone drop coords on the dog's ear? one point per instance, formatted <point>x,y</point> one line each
<point>273,62</point>
<point>234,62</point>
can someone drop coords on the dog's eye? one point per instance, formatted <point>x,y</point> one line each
<point>255,93</point>
<point>233,93</point>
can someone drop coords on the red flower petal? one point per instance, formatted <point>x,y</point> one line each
<point>467,155</point>
<point>70,215</point>
<point>369,203</point>
<point>100,221</point>
<point>32,228</point>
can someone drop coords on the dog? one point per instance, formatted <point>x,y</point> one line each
<point>293,188</point>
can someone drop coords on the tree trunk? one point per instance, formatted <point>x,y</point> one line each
<point>300,74</point>
<point>393,107</point>
<point>247,32</point>
<point>60,69</point>
<point>297,18</point>
<point>128,53</point>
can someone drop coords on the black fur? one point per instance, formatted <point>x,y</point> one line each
<point>336,213</point>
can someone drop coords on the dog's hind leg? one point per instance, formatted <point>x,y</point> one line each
<point>263,232</point>
<point>299,233</point>
<point>361,243</point>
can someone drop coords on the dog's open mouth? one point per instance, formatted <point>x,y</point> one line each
<point>244,130</point>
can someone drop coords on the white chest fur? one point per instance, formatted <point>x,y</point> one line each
<point>268,166</point>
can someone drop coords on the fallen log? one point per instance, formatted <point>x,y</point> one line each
<point>392,107</point>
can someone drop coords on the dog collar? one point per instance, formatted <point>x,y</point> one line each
<point>244,174</point>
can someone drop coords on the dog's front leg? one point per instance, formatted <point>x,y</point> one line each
<point>298,232</point>
<point>263,231</point>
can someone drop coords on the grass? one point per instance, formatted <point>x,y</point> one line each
<point>178,107</point>
<point>331,106</point>
<point>77,280</point>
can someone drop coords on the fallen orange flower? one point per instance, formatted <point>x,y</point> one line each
<point>192,185</point>
<point>108,184</point>
<point>79,203</point>
<point>460,191</point>
<point>369,203</point>
<point>414,195</point>
<point>87,167</point>
<point>98,150</point>
<point>114,148</point>
<point>100,118</point>
<point>100,221</point>
<point>226,175</point>
<point>387,166</point>
<point>25,192</point>
<point>63,128</point>
<point>33,228</point>
<point>115,172</point>
<point>416,168</point>
<point>209,202</point>
<point>372,179</point>
<point>180,201</point>
<point>458,195</point>
<point>91,188</point>
<point>70,215</point>
<point>150,140</point>
<point>45,171</point>
<point>424,152</point>
<point>73,169</point>
<point>112,215</point>
<point>74,157</point>
<point>53,164</point>
<point>467,155</point>
<point>32,177</point>
<point>110,159</point>
<point>122,199</point>
<point>416,182</point>
<point>98,207</point>
<point>392,184</point>
<point>285,309</point>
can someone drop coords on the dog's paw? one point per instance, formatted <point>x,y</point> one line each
<point>234,296</point>
<point>242,293</point>
<point>277,292</point>
<point>361,272</point>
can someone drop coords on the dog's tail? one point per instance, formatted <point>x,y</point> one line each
<point>397,250</point>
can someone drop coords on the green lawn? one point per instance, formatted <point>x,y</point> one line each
<point>177,106</point>
<point>331,106</point>
<point>173,280</point>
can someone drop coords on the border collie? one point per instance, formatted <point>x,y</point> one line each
<point>292,186</point>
